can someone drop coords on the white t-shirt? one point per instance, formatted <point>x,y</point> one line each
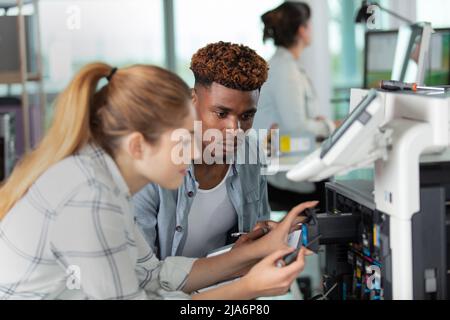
<point>211,216</point>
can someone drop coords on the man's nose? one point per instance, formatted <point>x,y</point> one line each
<point>234,124</point>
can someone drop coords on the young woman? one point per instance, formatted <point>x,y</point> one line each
<point>67,228</point>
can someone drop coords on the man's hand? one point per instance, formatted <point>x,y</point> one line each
<point>261,229</point>
<point>264,227</point>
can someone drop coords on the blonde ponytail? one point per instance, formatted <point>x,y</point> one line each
<point>140,98</point>
<point>70,131</point>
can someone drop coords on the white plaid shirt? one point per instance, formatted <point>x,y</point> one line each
<point>73,236</point>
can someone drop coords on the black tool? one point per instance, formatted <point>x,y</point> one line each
<point>288,259</point>
<point>392,85</point>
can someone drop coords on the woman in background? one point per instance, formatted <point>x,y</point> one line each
<point>288,100</point>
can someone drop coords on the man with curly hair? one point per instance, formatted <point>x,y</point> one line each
<point>216,199</point>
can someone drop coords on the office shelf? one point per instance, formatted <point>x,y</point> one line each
<point>23,76</point>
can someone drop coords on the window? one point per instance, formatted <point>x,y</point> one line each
<point>346,47</point>
<point>434,11</point>
<point>118,32</point>
<point>347,50</point>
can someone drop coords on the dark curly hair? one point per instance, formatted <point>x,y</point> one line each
<point>231,65</point>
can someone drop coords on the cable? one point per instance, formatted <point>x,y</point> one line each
<point>325,296</point>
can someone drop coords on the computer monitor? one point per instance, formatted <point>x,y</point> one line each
<point>379,57</point>
<point>413,44</point>
<point>380,53</point>
<point>438,62</point>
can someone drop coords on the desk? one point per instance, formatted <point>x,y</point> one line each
<point>285,163</point>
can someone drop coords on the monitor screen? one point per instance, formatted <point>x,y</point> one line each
<point>380,53</point>
<point>438,62</point>
<point>407,63</point>
<point>379,57</point>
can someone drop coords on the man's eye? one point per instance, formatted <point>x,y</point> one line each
<point>221,115</point>
<point>247,117</point>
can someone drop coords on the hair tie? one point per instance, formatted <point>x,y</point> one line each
<point>113,70</point>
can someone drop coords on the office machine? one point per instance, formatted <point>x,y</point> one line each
<point>392,241</point>
<point>7,144</point>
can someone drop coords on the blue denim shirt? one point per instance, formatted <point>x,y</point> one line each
<point>163,214</point>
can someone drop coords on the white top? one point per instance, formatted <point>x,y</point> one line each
<point>288,98</point>
<point>212,215</point>
<point>73,236</point>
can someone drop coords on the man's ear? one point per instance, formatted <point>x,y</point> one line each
<point>134,145</point>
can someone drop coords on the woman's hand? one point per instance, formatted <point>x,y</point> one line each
<point>237,262</point>
<point>266,279</point>
<point>276,239</point>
